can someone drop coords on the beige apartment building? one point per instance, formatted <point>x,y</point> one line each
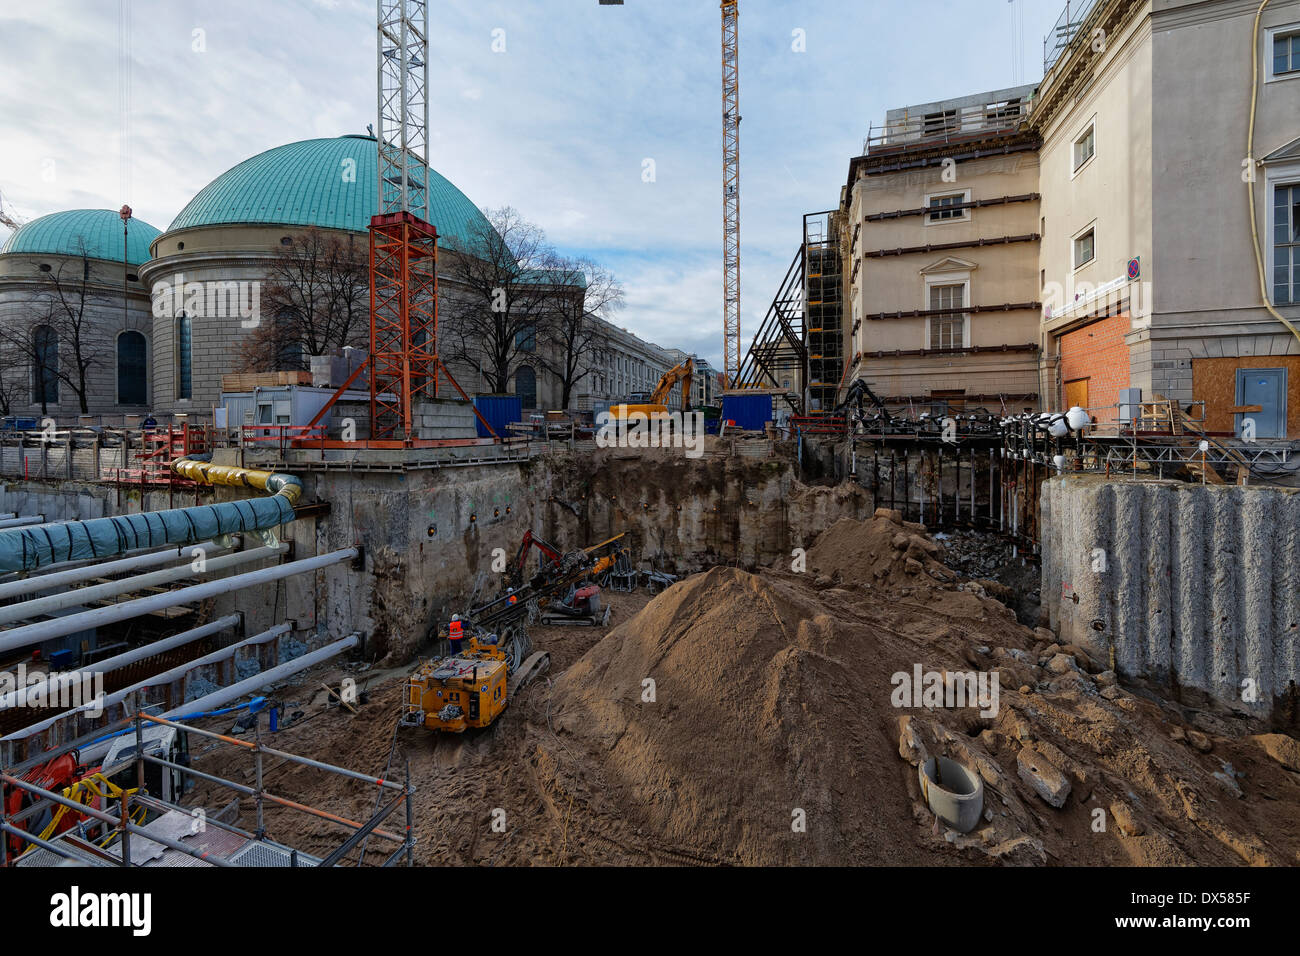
<point>940,243</point>
<point>1155,221</point>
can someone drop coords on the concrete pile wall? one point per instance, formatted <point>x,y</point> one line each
<point>1196,587</point>
<point>430,535</point>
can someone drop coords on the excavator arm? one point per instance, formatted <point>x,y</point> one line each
<point>548,551</point>
<point>684,374</point>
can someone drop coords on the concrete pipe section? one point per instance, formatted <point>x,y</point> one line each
<point>957,798</point>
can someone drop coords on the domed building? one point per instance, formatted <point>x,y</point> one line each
<point>75,319</point>
<point>210,269</point>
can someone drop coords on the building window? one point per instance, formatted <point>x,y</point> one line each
<point>1085,247</point>
<point>946,208</point>
<point>45,369</point>
<point>947,323</point>
<point>184,350</point>
<point>1286,244</point>
<point>944,121</point>
<point>526,339</point>
<point>1285,52</point>
<point>1085,147</point>
<point>132,369</point>
<point>526,386</point>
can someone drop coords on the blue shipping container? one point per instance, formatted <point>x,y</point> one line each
<point>500,411</point>
<point>750,412</point>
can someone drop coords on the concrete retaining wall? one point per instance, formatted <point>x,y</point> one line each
<point>1192,586</point>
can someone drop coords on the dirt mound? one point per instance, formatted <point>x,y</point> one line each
<point>757,720</point>
<point>883,550</point>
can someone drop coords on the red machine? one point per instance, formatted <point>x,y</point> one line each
<point>57,775</point>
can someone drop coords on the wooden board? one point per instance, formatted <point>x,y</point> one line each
<point>1214,381</point>
<point>1076,393</point>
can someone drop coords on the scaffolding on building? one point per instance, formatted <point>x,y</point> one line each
<point>823,311</point>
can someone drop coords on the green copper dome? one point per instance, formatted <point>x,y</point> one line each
<point>330,183</point>
<point>97,232</point>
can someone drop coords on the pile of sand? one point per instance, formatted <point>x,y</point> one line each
<point>760,716</point>
<point>885,550</point>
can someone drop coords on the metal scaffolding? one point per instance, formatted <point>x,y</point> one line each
<point>105,836</point>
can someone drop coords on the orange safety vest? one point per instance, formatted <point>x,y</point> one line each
<point>513,599</point>
<point>453,630</point>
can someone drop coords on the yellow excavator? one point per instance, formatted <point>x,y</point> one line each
<point>683,373</point>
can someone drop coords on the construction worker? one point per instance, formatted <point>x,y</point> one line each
<point>514,598</point>
<point>455,633</point>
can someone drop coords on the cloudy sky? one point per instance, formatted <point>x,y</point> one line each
<point>558,124</point>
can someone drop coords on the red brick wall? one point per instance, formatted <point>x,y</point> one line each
<point>1097,352</point>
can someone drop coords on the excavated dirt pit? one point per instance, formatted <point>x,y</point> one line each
<point>772,737</point>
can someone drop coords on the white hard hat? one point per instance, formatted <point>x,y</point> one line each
<point>455,617</point>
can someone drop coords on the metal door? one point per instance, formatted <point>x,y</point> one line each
<point>1265,387</point>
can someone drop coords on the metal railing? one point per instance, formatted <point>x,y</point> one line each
<point>942,126</point>
<point>1067,27</point>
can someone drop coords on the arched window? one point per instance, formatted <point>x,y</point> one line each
<point>526,386</point>
<point>184,347</point>
<point>45,366</point>
<point>132,369</point>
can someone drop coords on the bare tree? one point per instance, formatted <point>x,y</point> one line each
<point>574,337</point>
<point>316,299</point>
<point>507,304</point>
<point>65,341</point>
<point>13,385</point>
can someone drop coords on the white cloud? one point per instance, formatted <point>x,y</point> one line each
<point>557,126</point>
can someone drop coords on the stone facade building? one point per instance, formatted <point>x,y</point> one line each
<point>72,301</point>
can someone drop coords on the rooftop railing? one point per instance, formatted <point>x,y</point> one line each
<point>1066,29</point>
<point>945,125</point>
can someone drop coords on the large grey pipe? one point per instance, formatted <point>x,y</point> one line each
<point>98,617</point>
<point>79,597</point>
<point>21,522</point>
<point>224,696</point>
<point>84,571</point>
<point>109,664</point>
<point>115,698</point>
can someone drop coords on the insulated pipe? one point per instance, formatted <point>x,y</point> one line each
<point>198,468</point>
<point>24,549</point>
<point>109,664</point>
<point>78,597</point>
<point>258,681</point>
<point>58,579</point>
<point>115,698</point>
<point>20,522</point>
<point>98,617</point>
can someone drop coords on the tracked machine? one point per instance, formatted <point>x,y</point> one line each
<point>470,688</point>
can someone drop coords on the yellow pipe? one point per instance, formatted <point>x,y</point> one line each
<point>272,482</point>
